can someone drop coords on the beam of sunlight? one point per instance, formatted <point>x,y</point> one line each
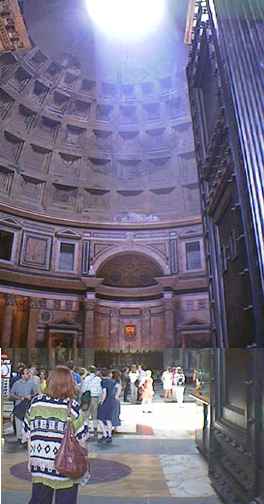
<point>128,20</point>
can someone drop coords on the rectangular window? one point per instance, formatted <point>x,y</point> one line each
<point>6,245</point>
<point>66,261</point>
<point>193,256</point>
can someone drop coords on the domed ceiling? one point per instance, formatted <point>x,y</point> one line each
<point>96,131</point>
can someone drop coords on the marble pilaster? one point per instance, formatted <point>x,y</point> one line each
<point>10,301</point>
<point>169,317</point>
<point>34,313</point>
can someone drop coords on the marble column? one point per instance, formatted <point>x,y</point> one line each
<point>89,323</point>
<point>146,329</point>
<point>89,331</point>
<point>34,312</point>
<point>114,330</point>
<point>10,301</point>
<point>169,317</point>
<point>21,305</point>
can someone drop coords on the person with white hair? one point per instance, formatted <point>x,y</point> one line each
<point>147,393</point>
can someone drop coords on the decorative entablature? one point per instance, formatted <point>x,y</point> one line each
<point>13,32</point>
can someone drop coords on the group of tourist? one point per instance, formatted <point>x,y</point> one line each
<point>173,381</point>
<point>43,402</point>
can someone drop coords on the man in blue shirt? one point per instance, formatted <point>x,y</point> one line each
<point>76,376</point>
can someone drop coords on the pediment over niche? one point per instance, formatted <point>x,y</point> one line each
<point>10,222</point>
<point>68,233</point>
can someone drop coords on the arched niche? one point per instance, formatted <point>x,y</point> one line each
<point>129,269</point>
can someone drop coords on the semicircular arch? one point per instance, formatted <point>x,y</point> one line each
<point>109,254</point>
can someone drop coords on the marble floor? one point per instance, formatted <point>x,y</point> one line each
<point>153,461</point>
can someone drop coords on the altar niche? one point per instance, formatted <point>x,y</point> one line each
<point>62,346</point>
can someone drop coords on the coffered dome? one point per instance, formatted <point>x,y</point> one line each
<point>93,131</point>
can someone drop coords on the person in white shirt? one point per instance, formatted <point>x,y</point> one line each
<point>141,381</point>
<point>134,381</point>
<point>180,385</point>
<point>92,384</point>
<point>167,383</point>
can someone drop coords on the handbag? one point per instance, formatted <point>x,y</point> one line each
<point>71,459</point>
<point>21,408</point>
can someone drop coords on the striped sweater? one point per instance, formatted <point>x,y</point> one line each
<point>44,426</point>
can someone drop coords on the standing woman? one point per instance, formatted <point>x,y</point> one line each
<point>167,383</point>
<point>106,409</point>
<point>43,381</point>
<point>116,375</point>
<point>147,393</point>
<point>44,426</point>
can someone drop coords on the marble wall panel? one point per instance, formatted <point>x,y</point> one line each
<point>36,251</point>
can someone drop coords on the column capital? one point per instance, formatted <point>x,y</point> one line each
<point>21,303</point>
<point>35,303</point>
<point>10,299</point>
<point>89,304</point>
<point>114,312</point>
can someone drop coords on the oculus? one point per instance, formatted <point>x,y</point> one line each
<point>126,19</point>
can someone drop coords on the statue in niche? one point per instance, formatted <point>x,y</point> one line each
<point>91,269</point>
<point>61,353</point>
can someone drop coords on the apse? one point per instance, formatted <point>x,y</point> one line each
<point>130,270</point>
